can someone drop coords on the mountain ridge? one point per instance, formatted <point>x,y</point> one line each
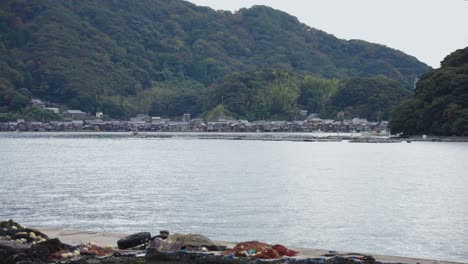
<point>100,53</point>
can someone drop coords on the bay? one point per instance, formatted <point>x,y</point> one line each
<point>395,199</point>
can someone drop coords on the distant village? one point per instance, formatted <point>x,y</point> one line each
<point>77,120</point>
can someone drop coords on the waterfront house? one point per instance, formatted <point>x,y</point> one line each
<point>236,126</point>
<point>68,125</point>
<point>136,124</point>
<point>279,126</point>
<point>241,126</point>
<point>259,125</point>
<point>213,127</point>
<point>4,126</point>
<point>21,125</point>
<point>155,119</point>
<point>35,126</point>
<point>381,127</point>
<point>118,125</point>
<point>314,123</point>
<point>198,125</point>
<point>12,126</point>
<point>77,124</point>
<point>221,125</point>
<point>141,118</point>
<point>95,124</point>
<point>370,126</point>
<point>56,126</point>
<point>178,126</point>
<point>327,125</point>
<point>298,126</point>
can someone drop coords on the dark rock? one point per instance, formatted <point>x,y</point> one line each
<point>12,253</point>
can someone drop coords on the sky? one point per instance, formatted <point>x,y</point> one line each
<point>426,29</point>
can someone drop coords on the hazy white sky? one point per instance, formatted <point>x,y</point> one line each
<point>426,29</point>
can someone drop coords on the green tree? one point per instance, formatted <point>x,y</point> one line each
<point>17,102</point>
<point>372,98</point>
<point>316,93</point>
<point>442,97</point>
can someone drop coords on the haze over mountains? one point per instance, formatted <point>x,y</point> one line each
<point>166,57</point>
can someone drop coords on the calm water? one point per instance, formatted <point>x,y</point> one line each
<point>398,199</point>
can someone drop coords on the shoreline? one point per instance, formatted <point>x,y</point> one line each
<point>246,136</point>
<point>110,239</point>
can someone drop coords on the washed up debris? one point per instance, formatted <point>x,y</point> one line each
<point>13,252</point>
<point>163,248</point>
<point>95,250</point>
<point>19,243</point>
<point>351,255</point>
<point>10,230</point>
<point>134,240</point>
<point>184,257</point>
<point>260,250</point>
<point>71,252</point>
<point>190,242</point>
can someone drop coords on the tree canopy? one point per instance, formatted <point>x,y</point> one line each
<point>372,98</point>
<point>440,102</point>
<point>105,55</point>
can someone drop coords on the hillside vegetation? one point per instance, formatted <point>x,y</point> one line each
<point>270,94</point>
<point>440,102</point>
<point>124,57</point>
<point>371,98</point>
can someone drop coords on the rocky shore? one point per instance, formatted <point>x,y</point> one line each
<point>22,245</point>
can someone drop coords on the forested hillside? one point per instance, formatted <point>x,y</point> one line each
<point>124,57</point>
<point>372,98</point>
<point>440,102</point>
<point>270,94</point>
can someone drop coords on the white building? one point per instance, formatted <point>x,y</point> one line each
<point>53,109</point>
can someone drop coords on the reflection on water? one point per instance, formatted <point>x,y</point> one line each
<point>398,199</point>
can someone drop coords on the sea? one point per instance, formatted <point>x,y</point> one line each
<point>379,198</point>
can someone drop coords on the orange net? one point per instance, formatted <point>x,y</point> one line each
<point>260,250</point>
